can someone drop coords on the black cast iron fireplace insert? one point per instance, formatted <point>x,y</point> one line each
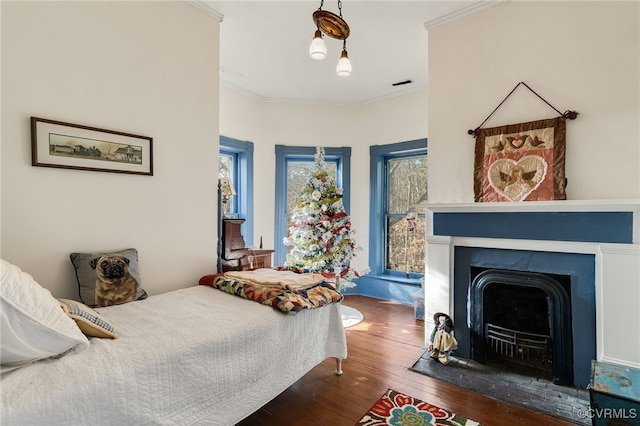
<point>550,300</point>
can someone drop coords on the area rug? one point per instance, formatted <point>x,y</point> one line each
<point>350,316</point>
<point>506,385</point>
<point>397,409</point>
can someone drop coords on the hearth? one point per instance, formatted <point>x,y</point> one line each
<point>522,318</point>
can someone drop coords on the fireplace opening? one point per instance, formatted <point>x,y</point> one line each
<point>522,320</point>
<point>516,327</point>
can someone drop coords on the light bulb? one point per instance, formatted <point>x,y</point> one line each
<point>318,50</point>
<point>343,69</point>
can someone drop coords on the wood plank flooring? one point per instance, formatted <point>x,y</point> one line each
<point>380,351</point>
<point>512,383</point>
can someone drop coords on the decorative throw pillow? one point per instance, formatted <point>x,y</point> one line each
<point>107,279</point>
<point>33,325</point>
<point>89,321</point>
<point>209,279</point>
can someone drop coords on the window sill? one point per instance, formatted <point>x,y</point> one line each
<point>396,279</point>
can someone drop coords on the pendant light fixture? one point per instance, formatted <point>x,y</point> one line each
<point>332,25</point>
<point>318,50</point>
<point>343,69</point>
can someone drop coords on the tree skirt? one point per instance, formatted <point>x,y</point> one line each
<point>350,316</point>
<point>396,409</point>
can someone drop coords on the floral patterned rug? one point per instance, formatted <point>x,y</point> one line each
<point>396,409</point>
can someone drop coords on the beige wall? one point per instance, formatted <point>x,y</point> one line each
<point>267,124</point>
<point>582,56</point>
<point>147,68</point>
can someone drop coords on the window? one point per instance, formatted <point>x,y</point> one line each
<point>397,219</point>
<point>294,165</point>
<point>228,169</point>
<point>236,163</point>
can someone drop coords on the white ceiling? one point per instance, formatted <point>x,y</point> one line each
<point>264,47</point>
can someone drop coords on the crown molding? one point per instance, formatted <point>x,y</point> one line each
<point>472,8</point>
<point>204,7</point>
<point>236,88</point>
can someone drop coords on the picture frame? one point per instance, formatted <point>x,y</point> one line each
<point>521,162</point>
<point>73,146</point>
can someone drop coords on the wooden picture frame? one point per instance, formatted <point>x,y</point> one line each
<point>72,146</point>
<point>521,162</point>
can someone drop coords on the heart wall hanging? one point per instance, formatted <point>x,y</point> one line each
<point>521,162</point>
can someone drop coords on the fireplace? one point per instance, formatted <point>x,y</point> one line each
<point>570,267</point>
<point>570,309</point>
<point>523,318</point>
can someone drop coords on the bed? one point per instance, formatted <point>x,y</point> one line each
<point>190,357</point>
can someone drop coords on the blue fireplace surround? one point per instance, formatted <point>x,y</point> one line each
<point>581,269</point>
<point>596,227</point>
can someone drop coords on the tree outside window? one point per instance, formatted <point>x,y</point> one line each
<point>405,216</point>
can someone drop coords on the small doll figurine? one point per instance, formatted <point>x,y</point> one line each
<point>442,341</point>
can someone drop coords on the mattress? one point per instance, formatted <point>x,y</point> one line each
<point>195,356</point>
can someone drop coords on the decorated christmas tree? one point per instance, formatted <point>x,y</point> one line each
<point>321,237</point>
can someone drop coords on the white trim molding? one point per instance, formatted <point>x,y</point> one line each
<point>461,12</point>
<point>204,7</point>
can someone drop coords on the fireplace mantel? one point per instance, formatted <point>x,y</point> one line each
<point>611,231</point>
<point>596,221</point>
<point>541,206</point>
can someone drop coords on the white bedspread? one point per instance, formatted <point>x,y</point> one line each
<point>194,356</point>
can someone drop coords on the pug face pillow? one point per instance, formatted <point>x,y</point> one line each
<point>114,285</point>
<point>107,279</point>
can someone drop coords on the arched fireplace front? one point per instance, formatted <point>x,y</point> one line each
<point>531,296</point>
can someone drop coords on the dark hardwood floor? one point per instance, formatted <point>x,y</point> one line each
<point>380,351</point>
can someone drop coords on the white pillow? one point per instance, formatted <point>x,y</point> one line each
<point>33,324</point>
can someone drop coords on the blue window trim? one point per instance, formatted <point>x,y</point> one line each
<point>291,153</point>
<point>243,180</point>
<point>378,156</point>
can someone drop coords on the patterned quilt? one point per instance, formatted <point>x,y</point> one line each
<point>288,301</point>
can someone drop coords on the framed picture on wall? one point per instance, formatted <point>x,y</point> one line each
<point>73,146</point>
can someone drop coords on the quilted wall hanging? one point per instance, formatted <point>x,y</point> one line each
<point>521,162</point>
